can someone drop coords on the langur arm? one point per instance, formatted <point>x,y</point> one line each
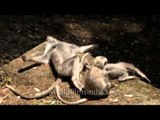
<point>83,57</point>
<point>82,64</point>
<point>109,84</point>
<point>75,73</point>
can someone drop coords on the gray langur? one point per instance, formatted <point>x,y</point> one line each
<point>64,59</point>
<point>122,71</point>
<point>96,83</point>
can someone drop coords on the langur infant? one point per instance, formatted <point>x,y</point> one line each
<point>122,70</point>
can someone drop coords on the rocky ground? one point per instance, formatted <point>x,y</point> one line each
<point>133,39</point>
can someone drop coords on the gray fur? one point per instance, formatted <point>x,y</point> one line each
<point>121,70</point>
<point>64,58</point>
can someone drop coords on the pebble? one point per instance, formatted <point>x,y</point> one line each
<point>128,95</point>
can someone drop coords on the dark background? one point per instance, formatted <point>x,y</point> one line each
<point>25,24</point>
<point>20,33</point>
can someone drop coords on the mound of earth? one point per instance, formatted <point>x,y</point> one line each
<point>30,78</point>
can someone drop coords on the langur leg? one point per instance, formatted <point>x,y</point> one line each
<point>38,59</point>
<point>43,58</point>
<point>51,44</point>
<point>48,49</point>
<point>86,48</point>
<point>129,78</point>
<point>75,74</point>
<point>81,66</point>
<point>125,77</point>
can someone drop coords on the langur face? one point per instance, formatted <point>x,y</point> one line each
<point>100,61</point>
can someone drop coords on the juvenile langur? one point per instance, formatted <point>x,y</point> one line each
<point>121,71</point>
<point>96,83</point>
<point>63,57</point>
<point>97,80</point>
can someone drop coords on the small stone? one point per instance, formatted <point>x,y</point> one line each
<point>128,95</point>
<point>18,97</point>
<point>115,100</point>
<point>37,90</point>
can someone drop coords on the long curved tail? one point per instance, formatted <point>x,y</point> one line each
<point>134,68</point>
<point>38,95</point>
<point>68,102</point>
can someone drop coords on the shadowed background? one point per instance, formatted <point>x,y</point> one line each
<point>130,38</point>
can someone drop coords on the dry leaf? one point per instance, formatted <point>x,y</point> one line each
<point>37,90</point>
<point>129,95</point>
<point>6,89</point>
<point>53,102</point>
<point>33,54</point>
<point>111,92</point>
<point>2,98</point>
<point>34,68</point>
<point>18,97</point>
<point>115,100</point>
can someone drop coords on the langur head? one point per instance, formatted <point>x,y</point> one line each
<point>100,61</point>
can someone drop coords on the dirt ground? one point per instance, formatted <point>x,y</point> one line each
<point>133,39</point>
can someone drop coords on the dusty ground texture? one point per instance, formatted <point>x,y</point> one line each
<point>132,39</point>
